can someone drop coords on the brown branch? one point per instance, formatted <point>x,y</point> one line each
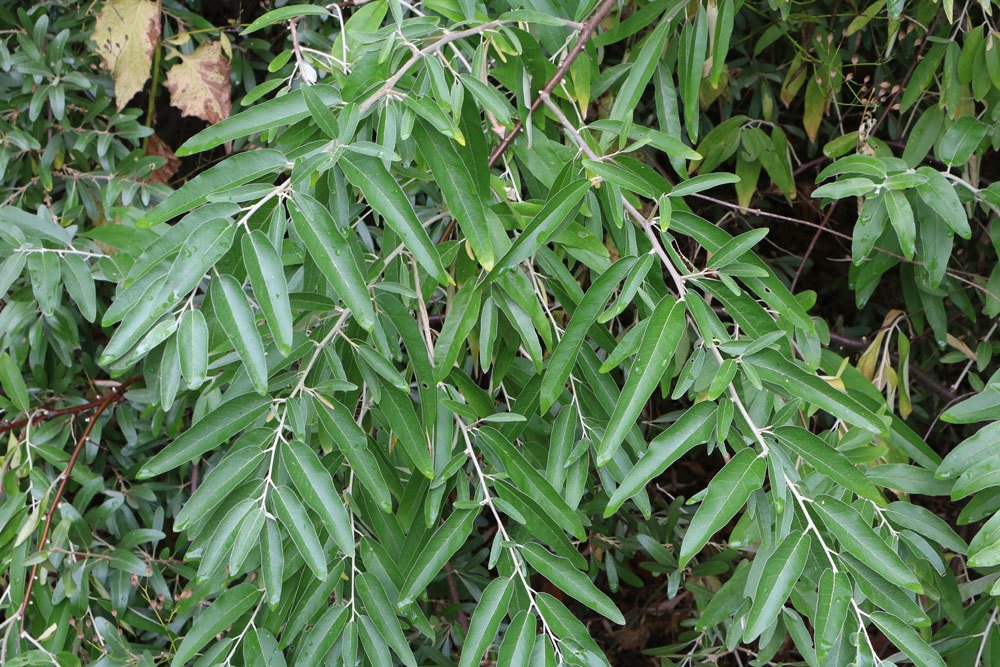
<point>812,244</point>
<point>924,378</point>
<point>586,31</point>
<point>46,415</point>
<point>102,405</point>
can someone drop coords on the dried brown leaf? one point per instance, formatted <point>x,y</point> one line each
<point>171,164</point>
<point>199,84</point>
<point>125,36</point>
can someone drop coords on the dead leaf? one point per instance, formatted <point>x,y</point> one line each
<point>172,163</point>
<point>125,35</point>
<point>199,84</point>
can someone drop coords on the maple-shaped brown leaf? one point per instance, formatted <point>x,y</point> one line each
<point>171,164</point>
<point>199,84</point>
<point>125,36</point>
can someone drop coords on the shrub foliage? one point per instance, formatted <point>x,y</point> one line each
<point>478,331</point>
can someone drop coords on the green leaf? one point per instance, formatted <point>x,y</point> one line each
<point>466,201</point>
<point>384,195</point>
<point>901,217</point>
<point>564,357</point>
<point>79,284</point>
<point>848,187</point>
<point>338,423</point>
<point>939,194</point>
<point>222,613</point>
<point>228,174</point>
<point>192,347</point>
<point>693,428</point>
<point>907,640</point>
<point>286,13</point>
<point>485,621</point>
<point>205,246</point>
<point>443,544</point>
<point>858,538</point>
<point>463,313</point>
<point>315,485</point>
<point>294,519</point>
<point>663,333</point>
<point>702,182</point>
<point>214,428</point>
<point>13,384</point>
<point>237,465</point>
<point>960,141</point>
<point>332,253</point>
<point>727,493</point>
<point>284,110</point>
<point>518,640</point>
<point>558,209</point>
<point>272,559</point>
<point>733,249</point>
<point>571,581</point>
<point>267,277</point>
<point>383,616</point>
<point>832,605</point>
<point>237,320</point>
<point>822,457</point>
<point>783,568</point>
<point>640,72</point>
<point>43,269</point>
<point>791,380</point>
<point>398,411</point>
<point>315,646</point>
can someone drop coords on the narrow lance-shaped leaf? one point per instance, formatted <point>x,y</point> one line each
<point>338,422</point>
<point>233,312</point>
<point>663,333</point>
<point>463,197</point>
<point>211,430</point>
<point>267,277</point>
<point>783,569</point>
<point>443,544</point>
<point>300,528</point>
<point>192,347</point>
<point>727,494</point>
<point>564,357</point>
<point>561,572</point>
<point>222,613</point>
<point>827,460</point>
<point>383,194</point>
<point>333,255</point>
<point>793,381</point>
<point>859,539</point>
<point>560,207</point>
<point>908,640</point>
<point>490,610</point>
<point>693,428</point>
<point>315,484</point>
<point>230,173</point>
<point>383,617</point>
<point>832,604</point>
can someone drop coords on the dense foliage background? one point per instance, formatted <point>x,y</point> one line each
<point>516,333</point>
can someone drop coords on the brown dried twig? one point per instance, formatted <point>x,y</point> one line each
<point>586,31</point>
<point>102,405</point>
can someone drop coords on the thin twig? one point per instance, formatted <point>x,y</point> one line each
<point>113,397</point>
<point>586,31</point>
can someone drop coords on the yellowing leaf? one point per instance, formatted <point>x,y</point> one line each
<point>816,101</point>
<point>125,35</point>
<point>199,84</point>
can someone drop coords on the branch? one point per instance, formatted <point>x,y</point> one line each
<point>586,31</point>
<point>102,405</point>
<point>46,415</point>
<point>918,374</point>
